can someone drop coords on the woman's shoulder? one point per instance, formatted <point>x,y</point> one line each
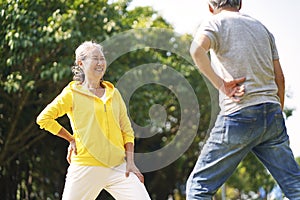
<point>69,88</point>
<point>108,85</point>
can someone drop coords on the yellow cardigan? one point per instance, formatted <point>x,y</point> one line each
<point>101,129</point>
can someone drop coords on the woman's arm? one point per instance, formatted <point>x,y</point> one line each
<point>131,167</point>
<point>47,118</point>
<point>63,133</point>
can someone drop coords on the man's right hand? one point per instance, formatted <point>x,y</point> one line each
<point>234,88</point>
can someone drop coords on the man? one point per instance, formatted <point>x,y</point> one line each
<point>247,72</point>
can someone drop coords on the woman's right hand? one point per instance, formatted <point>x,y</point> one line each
<point>71,149</point>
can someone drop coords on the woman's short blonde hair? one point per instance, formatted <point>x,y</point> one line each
<point>81,53</point>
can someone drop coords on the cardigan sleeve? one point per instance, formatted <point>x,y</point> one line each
<point>60,106</point>
<point>125,124</point>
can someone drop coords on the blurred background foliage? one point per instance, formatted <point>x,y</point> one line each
<point>38,39</point>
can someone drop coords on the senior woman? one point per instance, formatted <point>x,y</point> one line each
<point>101,150</point>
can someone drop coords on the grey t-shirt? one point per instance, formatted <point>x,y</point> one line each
<point>242,47</point>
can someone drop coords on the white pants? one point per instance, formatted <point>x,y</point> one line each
<point>86,182</point>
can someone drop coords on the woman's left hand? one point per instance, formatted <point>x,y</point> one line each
<point>130,167</point>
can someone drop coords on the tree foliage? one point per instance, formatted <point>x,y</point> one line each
<point>38,39</point>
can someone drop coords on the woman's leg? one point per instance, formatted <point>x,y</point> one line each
<point>126,188</point>
<point>84,182</point>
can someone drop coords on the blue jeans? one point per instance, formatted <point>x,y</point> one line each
<point>259,129</point>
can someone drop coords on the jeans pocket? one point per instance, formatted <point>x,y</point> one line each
<point>239,130</point>
<point>217,133</point>
<point>280,124</point>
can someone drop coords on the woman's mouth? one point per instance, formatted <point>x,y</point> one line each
<point>100,69</point>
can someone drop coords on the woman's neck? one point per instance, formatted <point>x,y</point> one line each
<point>92,84</point>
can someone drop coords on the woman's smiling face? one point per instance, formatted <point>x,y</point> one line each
<point>94,65</point>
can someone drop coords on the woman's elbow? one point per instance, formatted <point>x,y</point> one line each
<point>39,120</point>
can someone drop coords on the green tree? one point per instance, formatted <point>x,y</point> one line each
<point>163,181</point>
<point>38,39</point>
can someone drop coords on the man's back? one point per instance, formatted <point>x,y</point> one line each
<point>243,47</point>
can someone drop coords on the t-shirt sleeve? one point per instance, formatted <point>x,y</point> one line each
<point>273,47</point>
<point>208,28</point>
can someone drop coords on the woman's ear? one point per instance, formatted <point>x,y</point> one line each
<point>210,9</point>
<point>79,63</point>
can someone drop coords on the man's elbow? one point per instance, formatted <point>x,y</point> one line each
<point>280,80</point>
<point>193,51</point>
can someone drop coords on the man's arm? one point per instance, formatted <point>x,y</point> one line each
<point>198,51</point>
<point>280,81</point>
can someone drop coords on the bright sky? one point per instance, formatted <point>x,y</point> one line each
<point>281,18</point>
